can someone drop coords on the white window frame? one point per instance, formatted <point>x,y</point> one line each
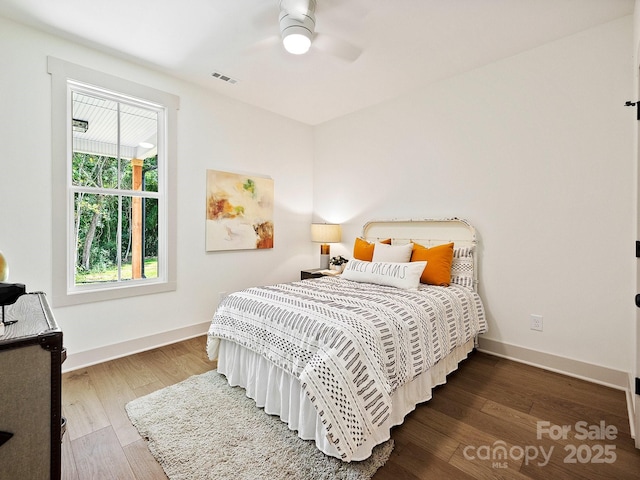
<point>65,78</point>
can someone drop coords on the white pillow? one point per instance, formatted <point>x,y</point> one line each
<point>462,267</point>
<point>392,274</point>
<point>392,253</point>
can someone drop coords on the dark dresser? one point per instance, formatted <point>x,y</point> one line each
<point>31,356</point>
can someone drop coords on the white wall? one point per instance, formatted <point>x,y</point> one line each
<point>213,133</point>
<point>537,151</point>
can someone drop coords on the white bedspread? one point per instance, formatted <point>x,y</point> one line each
<point>349,344</point>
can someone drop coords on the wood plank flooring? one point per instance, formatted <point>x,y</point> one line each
<point>488,403</point>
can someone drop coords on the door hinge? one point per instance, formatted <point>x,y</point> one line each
<point>637,386</point>
<point>637,248</point>
<point>634,104</point>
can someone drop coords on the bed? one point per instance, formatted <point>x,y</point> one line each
<point>342,361</point>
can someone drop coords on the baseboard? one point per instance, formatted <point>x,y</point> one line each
<point>608,377</point>
<point>574,368</point>
<point>77,360</point>
<point>631,406</point>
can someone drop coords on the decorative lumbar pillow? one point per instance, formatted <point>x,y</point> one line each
<point>392,253</point>
<point>392,274</point>
<point>439,259</point>
<point>363,250</point>
<point>462,267</point>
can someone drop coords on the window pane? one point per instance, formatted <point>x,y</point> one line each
<point>94,125</point>
<point>139,138</point>
<point>114,147</point>
<point>125,180</point>
<point>125,244</point>
<point>139,238</point>
<point>150,239</point>
<point>90,170</point>
<point>96,231</point>
<point>150,174</point>
<point>140,174</point>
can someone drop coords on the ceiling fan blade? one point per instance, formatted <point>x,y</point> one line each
<point>336,47</point>
<point>353,8</point>
<point>264,44</point>
<point>264,18</point>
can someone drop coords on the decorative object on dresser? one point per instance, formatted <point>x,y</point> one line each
<point>4,268</point>
<point>203,428</point>
<point>9,294</point>
<point>31,356</point>
<point>325,233</point>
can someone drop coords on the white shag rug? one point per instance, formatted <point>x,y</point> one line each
<point>202,428</point>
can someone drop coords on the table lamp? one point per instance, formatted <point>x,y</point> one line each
<point>325,233</point>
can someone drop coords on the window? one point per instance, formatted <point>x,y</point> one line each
<point>114,194</point>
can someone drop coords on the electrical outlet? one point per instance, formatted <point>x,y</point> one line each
<point>536,322</point>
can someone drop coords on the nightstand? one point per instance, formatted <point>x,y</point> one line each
<point>312,273</point>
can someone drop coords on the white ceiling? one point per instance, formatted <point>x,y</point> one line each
<point>405,44</point>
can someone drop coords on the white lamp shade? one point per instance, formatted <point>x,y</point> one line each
<point>326,233</point>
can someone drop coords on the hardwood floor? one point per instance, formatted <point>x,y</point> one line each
<point>487,403</point>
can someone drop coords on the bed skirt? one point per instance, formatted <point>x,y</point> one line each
<point>279,393</point>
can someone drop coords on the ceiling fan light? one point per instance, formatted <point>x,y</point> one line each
<point>297,25</point>
<point>297,42</point>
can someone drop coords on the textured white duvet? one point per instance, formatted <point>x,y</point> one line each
<point>351,345</point>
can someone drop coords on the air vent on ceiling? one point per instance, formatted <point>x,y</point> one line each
<point>224,78</point>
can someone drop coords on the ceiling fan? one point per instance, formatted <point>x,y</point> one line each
<point>297,22</point>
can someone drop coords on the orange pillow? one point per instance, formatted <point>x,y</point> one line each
<point>363,250</point>
<point>439,259</point>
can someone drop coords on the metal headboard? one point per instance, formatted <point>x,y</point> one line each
<point>427,232</point>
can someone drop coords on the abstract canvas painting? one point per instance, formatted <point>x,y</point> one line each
<point>239,211</point>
